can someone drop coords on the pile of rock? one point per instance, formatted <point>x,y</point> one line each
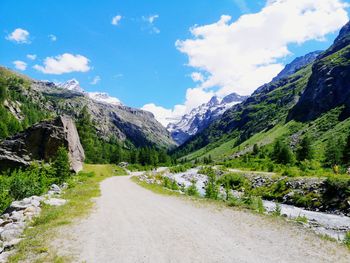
<point>19,214</point>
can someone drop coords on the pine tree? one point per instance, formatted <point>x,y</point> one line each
<point>333,152</point>
<point>61,165</point>
<point>305,150</point>
<point>282,153</point>
<point>255,150</point>
<point>346,151</point>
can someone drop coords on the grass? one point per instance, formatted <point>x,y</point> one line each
<point>83,187</point>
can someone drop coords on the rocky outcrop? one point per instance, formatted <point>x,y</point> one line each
<point>297,64</point>
<point>328,86</point>
<point>19,214</point>
<point>41,142</point>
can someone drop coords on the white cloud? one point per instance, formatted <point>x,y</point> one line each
<point>20,65</point>
<point>64,63</point>
<point>163,115</point>
<point>19,35</point>
<point>240,56</point>
<point>52,37</point>
<point>95,80</point>
<point>31,56</point>
<point>197,77</point>
<point>150,20</point>
<point>116,20</point>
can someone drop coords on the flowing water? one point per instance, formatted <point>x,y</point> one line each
<point>334,226</point>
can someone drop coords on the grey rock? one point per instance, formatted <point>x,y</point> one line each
<point>55,188</point>
<point>10,234</point>
<point>12,243</point>
<point>41,142</point>
<point>17,216</point>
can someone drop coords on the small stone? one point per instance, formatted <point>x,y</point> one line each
<point>55,188</point>
<point>10,234</point>
<point>12,243</point>
<point>17,216</point>
<point>55,201</point>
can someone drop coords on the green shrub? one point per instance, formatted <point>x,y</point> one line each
<point>61,165</point>
<point>5,198</point>
<point>192,189</point>
<point>211,188</point>
<point>27,183</point>
<point>235,181</point>
<point>291,172</point>
<point>347,239</point>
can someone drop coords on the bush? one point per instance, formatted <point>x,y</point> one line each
<point>5,198</point>
<point>211,188</point>
<point>61,165</point>
<point>235,181</point>
<point>192,189</point>
<point>347,239</point>
<point>32,181</point>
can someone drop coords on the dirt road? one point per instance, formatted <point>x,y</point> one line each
<point>132,224</point>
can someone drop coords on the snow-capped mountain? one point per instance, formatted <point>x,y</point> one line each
<point>201,117</point>
<point>72,85</point>
<point>102,97</point>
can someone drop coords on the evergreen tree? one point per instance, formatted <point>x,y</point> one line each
<point>282,153</point>
<point>255,150</point>
<point>211,188</point>
<point>333,152</point>
<point>61,165</point>
<point>305,150</point>
<point>346,151</point>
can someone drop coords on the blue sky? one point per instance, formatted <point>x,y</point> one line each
<point>137,59</point>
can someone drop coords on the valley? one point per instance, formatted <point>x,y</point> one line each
<point>253,165</point>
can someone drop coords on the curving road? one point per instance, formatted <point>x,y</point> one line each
<point>132,224</point>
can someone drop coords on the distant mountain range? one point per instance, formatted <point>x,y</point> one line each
<point>73,85</point>
<point>201,117</point>
<point>311,93</point>
<point>110,117</point>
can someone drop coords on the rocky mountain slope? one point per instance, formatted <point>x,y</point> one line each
<point>111,118</point>
<point>316,89</point>
<point>201,117</point>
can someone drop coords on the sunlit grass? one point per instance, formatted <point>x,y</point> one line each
<point>83,187</point>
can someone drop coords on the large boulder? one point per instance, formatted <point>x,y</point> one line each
<point>41,142</point>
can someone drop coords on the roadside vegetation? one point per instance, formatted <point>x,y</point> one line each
<point>35,180</point>
<point>82,188</point>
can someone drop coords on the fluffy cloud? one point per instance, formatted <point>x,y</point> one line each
<point>232,52</point>
<point>197,77</point>
<point>116,20</point>
<point>150,20</point>
<point>95,80</point>
<point>20,65</point>
<point>19,35</point>
<point>239,56</point>
<point>52,37</point>
<point>64,63</point>
<point>31,56</point>
<point>165,116</point>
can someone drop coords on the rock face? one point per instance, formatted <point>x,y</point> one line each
<point>111,118</point>
<point>41,142</point>
<point>297,64</point>
<point>328,86</point>
<point>201,117</point>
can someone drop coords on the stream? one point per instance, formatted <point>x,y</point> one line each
<point>335,226</point>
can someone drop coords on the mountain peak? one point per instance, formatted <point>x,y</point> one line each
<point>213,101</point>
<point>72,85</point>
